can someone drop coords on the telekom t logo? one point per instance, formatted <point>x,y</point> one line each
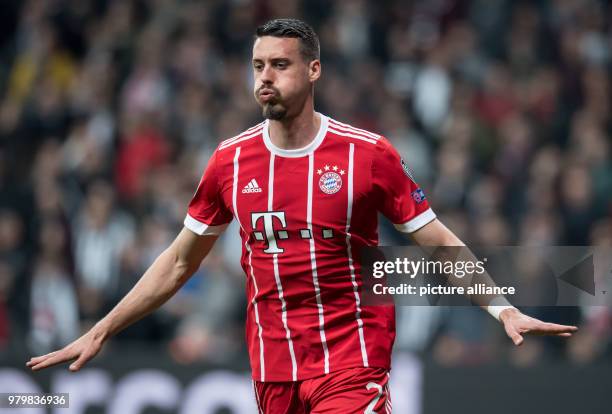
<point>271,235</point>
<point>268,223</point>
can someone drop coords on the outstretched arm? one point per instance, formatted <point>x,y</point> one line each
<point>158,284</point>
<point>516,324</point>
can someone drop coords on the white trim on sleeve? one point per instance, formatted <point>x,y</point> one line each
<point>495,311</point>
<point>498,305</point>
<point>416,222</point>
<point>203,229</point>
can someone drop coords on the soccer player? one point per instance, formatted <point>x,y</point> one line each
<point>305,190</point>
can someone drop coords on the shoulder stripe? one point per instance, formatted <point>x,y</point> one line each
<point>346,134</point>
<point>240,139</point>
<point>349,128</point>
<point>248,131</point>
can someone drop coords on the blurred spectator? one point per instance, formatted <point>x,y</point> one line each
<point>101,234</point>
<point>12,236</point>
<point>7,278</point>
<point>53,304</point>
<point>142,149</point>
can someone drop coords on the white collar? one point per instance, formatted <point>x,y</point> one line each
<point>298,152</point>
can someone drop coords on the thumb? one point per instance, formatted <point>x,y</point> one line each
<point>516,337</point>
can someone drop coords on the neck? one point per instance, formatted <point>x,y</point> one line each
<point>296,132</point>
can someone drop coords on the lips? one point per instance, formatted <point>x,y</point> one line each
<point>267,94</point>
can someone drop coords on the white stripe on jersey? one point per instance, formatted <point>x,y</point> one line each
<point>349,212</point>
<point>350,128</point>
<point>254,300</point>
<point>243,133</point>
<point>346,134</point>
<point>279,286</point>
<point>241,138</point>
<point>313,262</point>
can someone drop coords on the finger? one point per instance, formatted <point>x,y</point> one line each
<point>564,334</point>
<point>36,360</point>
<point>553,328</point>
<point>564,328</point>
<point>53,360</point>
<point>82,360</point>
<point>515,336</point>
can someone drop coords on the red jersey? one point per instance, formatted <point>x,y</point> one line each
<point>303,216</point>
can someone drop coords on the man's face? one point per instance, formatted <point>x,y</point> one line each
<point>283,79</point>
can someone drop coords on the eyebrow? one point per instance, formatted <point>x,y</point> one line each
<point>274,60</point>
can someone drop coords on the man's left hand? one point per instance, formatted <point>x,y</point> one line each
<point>517,324</point>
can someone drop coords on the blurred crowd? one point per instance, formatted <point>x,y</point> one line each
<point>109,110</point>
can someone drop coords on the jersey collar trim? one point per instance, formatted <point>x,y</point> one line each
<point>298,152</point>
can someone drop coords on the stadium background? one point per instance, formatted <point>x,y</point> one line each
<point>109,111</point>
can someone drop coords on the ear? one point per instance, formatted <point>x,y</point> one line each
<point>314,70</point>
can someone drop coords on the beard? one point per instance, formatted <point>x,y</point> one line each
<point>274,108</point>
<point>273,111</point>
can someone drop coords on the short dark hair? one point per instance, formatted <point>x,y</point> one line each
<point>309,41</point>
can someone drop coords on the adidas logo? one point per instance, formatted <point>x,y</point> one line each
<point>251,187</point>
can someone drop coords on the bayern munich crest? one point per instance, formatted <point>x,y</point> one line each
<point>331,179</point>
<point>330,183</point>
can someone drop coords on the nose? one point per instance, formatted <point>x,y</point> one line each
<point>267,75</point>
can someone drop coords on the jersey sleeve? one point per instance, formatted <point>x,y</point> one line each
<point>397,195</point>
<point>207,213</point>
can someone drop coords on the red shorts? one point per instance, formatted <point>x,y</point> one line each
<point>348,391</point>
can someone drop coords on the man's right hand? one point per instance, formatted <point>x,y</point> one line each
<point>81,350</point>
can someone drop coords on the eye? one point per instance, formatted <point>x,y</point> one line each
<point>281,65</point>
<point>258,66</point>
